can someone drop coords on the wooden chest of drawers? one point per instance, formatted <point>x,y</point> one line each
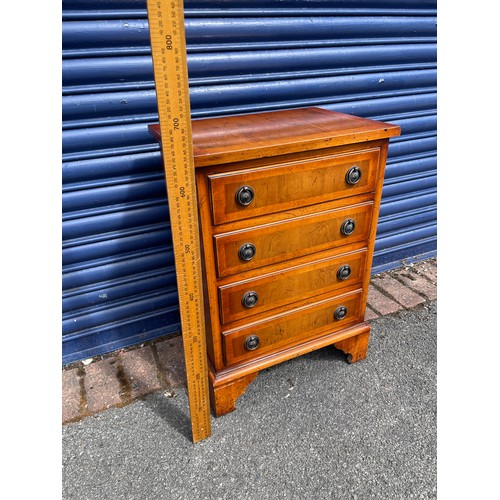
<point>288,204</point>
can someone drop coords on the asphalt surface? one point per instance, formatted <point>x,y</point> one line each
<point>314,427</point>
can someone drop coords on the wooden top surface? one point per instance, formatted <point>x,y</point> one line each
<point>259,135</point>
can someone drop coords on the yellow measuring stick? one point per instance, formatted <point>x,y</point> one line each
<point>168,46</point>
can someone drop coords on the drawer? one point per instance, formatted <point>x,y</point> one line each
<point>246,298</point>
<point>258,246</point>
<point>243,194</point>
<point>293,328</point>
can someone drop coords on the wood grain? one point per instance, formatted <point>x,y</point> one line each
<point>291,185</point>
<point>296,162</point>
<point>291,238</point>
<point>356,347</point>
<point>290,286</point>
<point>257,135</point>
<point>223,396</point>
<point>291,328</point>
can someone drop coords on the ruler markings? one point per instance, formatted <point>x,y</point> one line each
<point>168,44</point>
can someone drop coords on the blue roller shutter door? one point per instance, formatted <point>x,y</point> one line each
<point>360,57</point>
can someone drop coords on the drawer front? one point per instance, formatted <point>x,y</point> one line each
<point>293,328</point>
<point>247,298</point>
<point>262,245</point>
<point>244,194</point>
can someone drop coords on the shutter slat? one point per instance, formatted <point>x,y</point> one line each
<point>375,59</point>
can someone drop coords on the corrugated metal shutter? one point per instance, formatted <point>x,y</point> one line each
<point>375,59</point>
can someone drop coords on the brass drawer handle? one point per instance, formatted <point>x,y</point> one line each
<point>244,196</point>
<point>353,175</point>
<point>347,227</point>
<point>252,342</point>
<point>340,312</point>
<point>247,251</point>
<point>249,299</point>
<point>344,272</point>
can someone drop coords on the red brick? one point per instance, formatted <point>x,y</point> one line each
<point>417,282</point>
<point>428,269</point>
<point>380,303</point>
<point>141,371</point>
<point>401,293</point>
<point>171,357</point>
<point>70,395</point>
<point>370,314</point>
<point>102,386</point>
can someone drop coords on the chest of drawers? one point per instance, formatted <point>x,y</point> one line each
<point>288,205</point>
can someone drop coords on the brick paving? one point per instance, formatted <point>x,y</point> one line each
<point>139,368</point>
<point>70,395</point>
<point>370,314</point>
<point>381,303</point>
<point>421,279</point>
<point>101,386</point>
<point>397,291</point>
<point>118,378</point>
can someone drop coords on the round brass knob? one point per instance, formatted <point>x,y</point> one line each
<point>249,299</point>
<point>247,251</point>
<point>252,342</point>
<point>353,175</point>
<point>244,196</point>
<point>343,272</point>
<point>347,227</point>
<point>340,312</point>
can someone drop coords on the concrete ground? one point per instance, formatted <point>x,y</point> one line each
<point>313,427</point>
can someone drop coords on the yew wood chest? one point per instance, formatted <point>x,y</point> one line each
<point>288,205</point>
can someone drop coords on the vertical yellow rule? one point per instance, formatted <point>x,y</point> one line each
<point>168,46</point>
